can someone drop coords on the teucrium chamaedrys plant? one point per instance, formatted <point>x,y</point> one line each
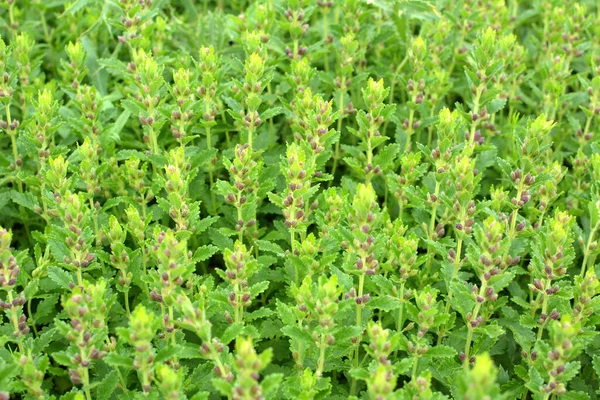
<point>300,199</point>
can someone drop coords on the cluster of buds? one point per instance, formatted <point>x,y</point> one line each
<point>466,183</point>
<point>208,65</point>
<point>148,78</point>
<point>481,379</point>
<point>240,267</point>
<point>169,382</point>
<point>75,216</point>
<point>309,253</point>
<point>311,128</point>
<point>410,170</point>
<point>382,381</point>
<point>564,347</point>
<point>177,174</point>
<point>592,111</point>
<point>142,327</point>
<point>87,308</point>
<point>254,26</point>
<point>415,88</point>
<point>33,369</point>
<point>428,311</point>
<point>134,172</point>
<point>183,113</point>
<point>581,182</point>
<point>483,69</point>
<point>510,79</point>
<point>248,365</point>
<point>325,307</point>
<point>525,182</point>
<point>586,291</point>
<point>8,80</point>
<point>370,122</point>
<point>173,269</point>
<point>195,319</point>
<point>119,257</point>
<point>249,94</point>
<point>22,54</point>
<point>297,27</point>
<point>564,30</point>
<point>88,167</point>
<point>304,314</point>
<point>135,225</point>
<point>556,247</point>
<point>300,75</point>
<point>135,13</point>
<point>45,123</point>
<point>553,252</point>
<point>548,191</point>
<point>90,107</point>
<point>334,204</point>
<point>75,70</point>
<point>403,251</point>
<point>364,221</point>
<point>297,193</point>
<point>491,249</point>
<point>241,192</point>
<point>9,274</point>
<point>348,55</point>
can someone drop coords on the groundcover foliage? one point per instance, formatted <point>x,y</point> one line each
<point>299,199</point>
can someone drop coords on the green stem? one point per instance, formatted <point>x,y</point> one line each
<point>587,249</point>
<point>126,295</point>
<point>415,368</point>
<point>401,310</point>
<point>321,362</point>
<point>361,283</point>
<point>31,316</point>
<point>296,272</point>
<point>409,130</point>
<point>469,327</point>
<point>336,155</point>
<point>210,174</point>
<point>455,270</point>
<point>14,319</point>
<point>325,34</point>
<point>474,124</point>
<point>544,310</point>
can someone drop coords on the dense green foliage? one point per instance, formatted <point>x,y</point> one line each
<point>298,199</point>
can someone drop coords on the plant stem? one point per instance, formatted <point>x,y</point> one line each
<point>469,327</point>
<point>415,368</point>
<point>321,362</point>
<point>586,252</point>
<point>336,155</point>
<point>401,310</point>
<point>210,174</point>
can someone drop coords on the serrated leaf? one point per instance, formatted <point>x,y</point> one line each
<point>59,276</point>
<point>440,351</point>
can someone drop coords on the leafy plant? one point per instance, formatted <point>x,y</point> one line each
<point>299,199</point>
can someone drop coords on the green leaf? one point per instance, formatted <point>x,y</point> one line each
<point>26,199</point>
<point>119,360</point>
<point>59,276</point>
<point>108,385</point>
<point>233,331</point>
<point>271,383</point>
<point>203,253</point>
<point>440,351</point>
<point>168,352</point>
<point>385,303</point>
<point>271,247</point>
<point>257,289</point>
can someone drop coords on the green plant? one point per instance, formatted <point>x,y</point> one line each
<point>299,199</point>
